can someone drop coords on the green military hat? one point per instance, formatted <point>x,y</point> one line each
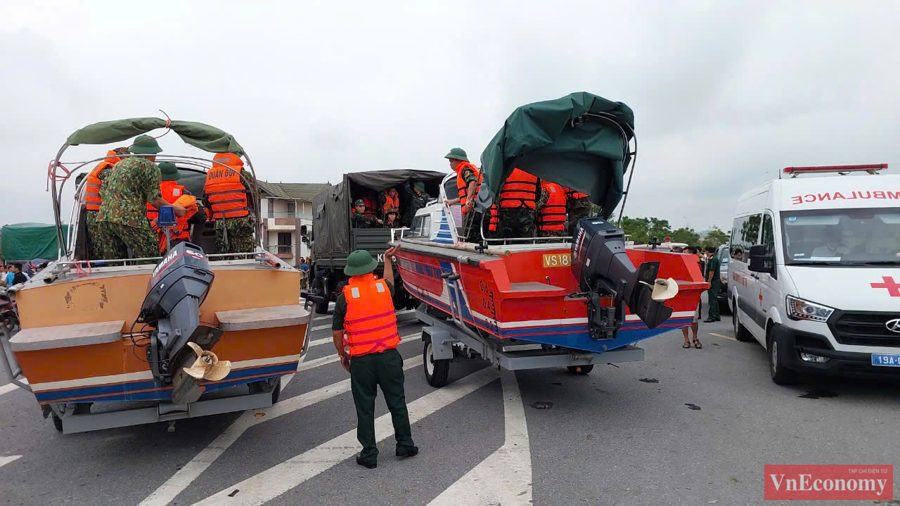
<point>457,154</point>
<point>360,262</point>
<point>392,210</point>
<point>419,185</point>
<point>168,171</point>
<point>359,202</point>
<point>144,145</point>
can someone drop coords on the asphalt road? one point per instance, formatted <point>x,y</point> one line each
<point>685,426</point>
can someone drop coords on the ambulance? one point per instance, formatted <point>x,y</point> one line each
<point>815,271</point>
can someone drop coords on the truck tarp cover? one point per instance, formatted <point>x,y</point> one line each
<point>331,208</point>
<point>540,138</point>
<point>27,241</point>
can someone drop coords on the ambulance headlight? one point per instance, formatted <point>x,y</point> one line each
<point>799,309</point>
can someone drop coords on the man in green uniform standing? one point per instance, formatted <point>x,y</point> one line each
<point>416,198</point>
<point>358,217</point>
<point>365,313</point>
<point>128,188</point>
<point>712,277</point>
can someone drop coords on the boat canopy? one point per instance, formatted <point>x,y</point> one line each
<point>200,135</point>
<point>580,141</point>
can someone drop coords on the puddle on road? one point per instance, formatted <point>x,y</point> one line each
<point>692,407</point>
<point>649,380</point>
<point>818,394</point>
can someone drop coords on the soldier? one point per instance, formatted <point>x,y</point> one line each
<point>359,218</point>
<point>416,199</point>
<point>174,193</point>
<point>468,177</point>
<point>517,200</point>
<point>92,199</point>
<point>390,218</point>
<point>388,199</point>
<point>552,210</point>
<point>128,188</point>
<point>225,195</point>
<point>578,206</point>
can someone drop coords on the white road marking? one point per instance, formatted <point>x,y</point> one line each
<point>7,460</point>
<point>182,479</point>
<point>7,388</point>
<point>281,478</point>
<point>318,362</point>
<point>505,476</point>
<point>330,340</point>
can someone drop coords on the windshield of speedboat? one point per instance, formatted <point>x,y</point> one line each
<point>842,237</point>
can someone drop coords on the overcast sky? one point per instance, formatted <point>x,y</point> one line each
<point>724,93</point>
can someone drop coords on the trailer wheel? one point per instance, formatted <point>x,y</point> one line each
<point>581,370</point>
<point>258,387</point>
<point>57,422</point>
<point>437,372</point>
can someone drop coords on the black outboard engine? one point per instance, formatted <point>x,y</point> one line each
<point>178,286</point>
<point>603,270</point>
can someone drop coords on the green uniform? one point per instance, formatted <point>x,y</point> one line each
<point>712,266</point>
<point>415,201</point>
<point>576,210</point>
<point>516,222</point>
<point>542,200</point>
<point>95,238</point>
<point>122,218</point>
<point>367,373</point>
<point>358,220</point>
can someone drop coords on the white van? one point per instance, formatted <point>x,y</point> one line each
<point>815,271</point>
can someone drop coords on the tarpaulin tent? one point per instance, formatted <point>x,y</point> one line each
<point>23,242</point>
<point>580,141</point>
<point>200,135</point>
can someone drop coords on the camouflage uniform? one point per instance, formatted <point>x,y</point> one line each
<point>362,221</point>
<point>542,200</point>
<point>122,218</point>
<point>577,209</point>
<point>472,219</point>
<point>235,235</point>
<point>416,201</point>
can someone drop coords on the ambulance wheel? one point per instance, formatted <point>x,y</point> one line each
<point>437,372</point>
<point>777,351</point>
<point>57,422</point>
<point>740,332</point>
<point>581,370</point>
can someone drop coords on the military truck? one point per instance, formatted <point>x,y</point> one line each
<point>333,239</point>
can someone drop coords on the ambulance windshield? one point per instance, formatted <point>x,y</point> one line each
<point>842,237</point>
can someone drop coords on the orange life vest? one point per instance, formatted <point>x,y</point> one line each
<point>227,195</point>
<point>519,191</point>
<point>92,187</point>
<point>390,202</point>
<point>461,186</point>
<point>173,193</point>
<point>370,205</point>
<point>574,195</point>
<point>494,221</point>
<point>553,214</point>
<point>370,325</point>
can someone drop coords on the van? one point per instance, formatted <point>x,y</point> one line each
<point>815,271</point>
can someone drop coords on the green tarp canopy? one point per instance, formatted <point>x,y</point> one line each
<point>199,135</point>
<point>556,141</point>
<point>22,242</point>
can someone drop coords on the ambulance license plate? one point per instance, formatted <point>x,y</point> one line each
<point>883,360</point>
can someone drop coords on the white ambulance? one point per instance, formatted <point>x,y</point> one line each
<point>815,271</point>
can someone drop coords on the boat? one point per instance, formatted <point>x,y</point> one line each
<point>532,302</point>
<point>113,343</point>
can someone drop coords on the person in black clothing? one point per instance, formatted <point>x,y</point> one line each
<point>18,275</point>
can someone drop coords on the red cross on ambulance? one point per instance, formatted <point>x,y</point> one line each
<point>892,286</point>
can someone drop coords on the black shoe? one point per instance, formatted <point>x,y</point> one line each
<point>367,465</point>
<point>411,451</point>
<point>709,321</point>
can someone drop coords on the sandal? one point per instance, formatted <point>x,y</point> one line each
<point>697,344</point>
<point>686,345</point>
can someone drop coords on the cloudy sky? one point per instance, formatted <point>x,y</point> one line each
<point>724,93</point>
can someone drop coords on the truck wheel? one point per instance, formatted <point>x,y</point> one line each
<point>740,332</point>
<point>322,307</point>
<point>581,370</point>
<point>780,374</point>
<point>57,422</point>
<point>437,372</point>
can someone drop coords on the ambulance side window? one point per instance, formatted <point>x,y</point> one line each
<point>768,237</point>
<point>744,233</point>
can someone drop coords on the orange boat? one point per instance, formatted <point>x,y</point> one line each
<point>110,343</point>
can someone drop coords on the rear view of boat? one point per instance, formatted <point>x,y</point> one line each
<point>121,342</point>
<point>530,302</point>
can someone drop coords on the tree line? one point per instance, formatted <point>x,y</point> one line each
<point>642,230</point>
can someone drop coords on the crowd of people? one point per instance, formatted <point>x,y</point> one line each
<point>384,209</point>
<point>124,192</point>
<point>709,266</point>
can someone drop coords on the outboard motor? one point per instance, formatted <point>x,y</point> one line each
<point>178,286</point>
<point>604,271</point>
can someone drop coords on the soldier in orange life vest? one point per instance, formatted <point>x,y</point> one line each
<point>468,177</point>
<point>174,193</point>
<point>552,215</point>
<point>92,199</point>
<point>389,199</point>
<point>517,200</point>
<point>225,196</point>
<point>364,330</point>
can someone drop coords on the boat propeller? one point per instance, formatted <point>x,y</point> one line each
<point>663,289</point>
<point>207,366</point>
